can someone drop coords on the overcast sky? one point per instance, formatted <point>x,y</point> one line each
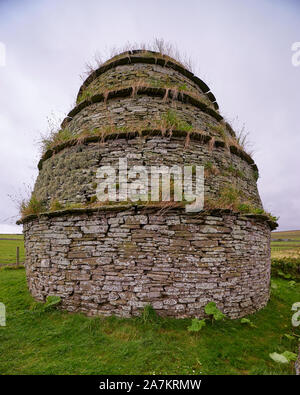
<point>242,50</point>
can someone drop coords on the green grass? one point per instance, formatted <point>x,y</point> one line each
<point>57,342</point>
<point>8,248</point>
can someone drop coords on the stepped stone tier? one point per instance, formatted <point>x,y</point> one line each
<point>117,258</point>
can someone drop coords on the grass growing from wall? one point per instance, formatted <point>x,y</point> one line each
<point>173,89</point>
<point>234,199</point>
<point>229,198</point>
<point>55,342</point>
<point>165,49</point>
<point>32,206</point>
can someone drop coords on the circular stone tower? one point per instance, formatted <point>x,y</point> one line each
<point>116,258</point>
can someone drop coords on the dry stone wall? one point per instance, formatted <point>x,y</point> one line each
<point>142,74</point>
<point>116,262</point>
<point>141,111</point>
<point>70,175</point>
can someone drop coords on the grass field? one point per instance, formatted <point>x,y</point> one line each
<point>286,244</point>
<point>57,342</point>
<point>8,247</point>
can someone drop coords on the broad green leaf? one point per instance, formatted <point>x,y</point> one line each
<point>197,325</point>
<point>291,356</point>
<point>218,316</point>
<point>51,302</point>
<point>211,309</point>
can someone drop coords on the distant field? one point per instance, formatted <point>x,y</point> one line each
<point>286,244</point>
<point>11,236</point>
<point>8,248</point>
<point>288,234</point>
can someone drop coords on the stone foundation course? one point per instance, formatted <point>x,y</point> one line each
<point>118,261</point>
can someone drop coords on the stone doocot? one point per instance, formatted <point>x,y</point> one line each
<point>116,260</point>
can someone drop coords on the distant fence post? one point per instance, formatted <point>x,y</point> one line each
<point>18,255</point>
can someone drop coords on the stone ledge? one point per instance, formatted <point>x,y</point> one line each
<point>205,138</point>
<point>143,90</point>
<point>147,208</point>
